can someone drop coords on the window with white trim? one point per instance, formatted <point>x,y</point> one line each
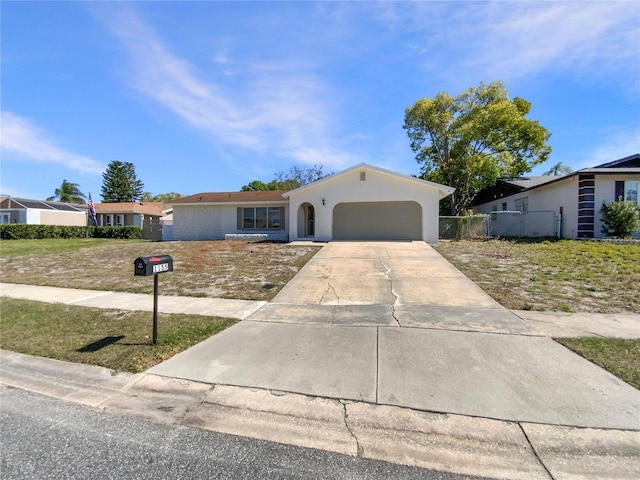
<point>262,218</point>
<point>631,192</point>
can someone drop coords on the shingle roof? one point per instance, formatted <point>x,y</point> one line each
<point>234,197</point>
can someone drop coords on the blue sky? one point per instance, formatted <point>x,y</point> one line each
<point>207,96</point>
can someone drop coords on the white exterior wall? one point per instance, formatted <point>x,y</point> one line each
<point>606,192</point>
<point>213,221</point>
<point>347,187</point>
<point>564,193</point>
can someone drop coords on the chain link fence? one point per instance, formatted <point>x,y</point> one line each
<point>500,224</point>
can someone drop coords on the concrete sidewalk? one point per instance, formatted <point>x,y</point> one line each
<point>220,307</point>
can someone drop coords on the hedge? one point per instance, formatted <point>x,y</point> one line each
<point>20,231</point>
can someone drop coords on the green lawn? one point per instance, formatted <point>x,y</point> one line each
<point>616,355</point>
<point>114,339</point>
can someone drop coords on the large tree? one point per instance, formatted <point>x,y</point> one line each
<point>160,197</point>
<point>296,177</point>
<point>120,183</point>
<point>68,192</point>
<point>471,140</point>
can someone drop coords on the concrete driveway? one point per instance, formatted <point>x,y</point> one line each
<point>394,323</point>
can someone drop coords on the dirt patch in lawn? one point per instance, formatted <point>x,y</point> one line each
<point>226,269</point>
<point>564,275</point>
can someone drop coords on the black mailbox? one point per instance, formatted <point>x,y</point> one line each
<point>152,265</point>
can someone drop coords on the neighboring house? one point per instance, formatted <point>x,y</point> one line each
<point>39,212</point>
<point>146,215</point>
<point>361,203</point>
<point>573,200</point>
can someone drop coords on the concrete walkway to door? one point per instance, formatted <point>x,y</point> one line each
<point>394,323</point>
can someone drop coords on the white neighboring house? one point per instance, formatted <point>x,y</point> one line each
<point>574,199</point>
<point>361,203</point>
<point>39,212</point>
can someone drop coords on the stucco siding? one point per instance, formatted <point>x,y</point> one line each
<point>376,187</point>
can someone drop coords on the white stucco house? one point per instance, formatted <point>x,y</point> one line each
<point>361,203</point>
<point>573,200</point>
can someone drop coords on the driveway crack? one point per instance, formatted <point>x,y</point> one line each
<point>359,448</point>
<point>330,288</point>
<point>394,294</point>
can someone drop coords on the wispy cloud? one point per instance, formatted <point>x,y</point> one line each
<point>519,38</point>
<point>617,142</point>
<point>511,40</point>
<point>278,109</point>
<point>21,136</point>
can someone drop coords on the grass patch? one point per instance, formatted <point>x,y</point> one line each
<point>563,275</point>
<point>618,356</point>
<point>226,269</point>
<point>113,339</point>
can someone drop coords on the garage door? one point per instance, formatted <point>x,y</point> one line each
<point>377,221</point>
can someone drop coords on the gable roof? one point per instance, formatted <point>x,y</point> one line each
<point>11,202</point>
<point>444,190</point>
<point>262,196</point>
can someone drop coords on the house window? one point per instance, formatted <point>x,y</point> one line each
<point>119,220</point>
<point>4,218</point>
<point>504,206</point>
<point>363,176</point>
<point>262,218</point>
<point>108,220</point>
<point>522,204</point>
<point>631,192</point>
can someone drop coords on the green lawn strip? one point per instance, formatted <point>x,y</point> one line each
<point>618,356</point>
<point>57,245</point>
<point>115,339</point>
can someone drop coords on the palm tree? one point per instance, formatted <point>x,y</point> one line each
<point>558,170</point>
<point>68,193</point>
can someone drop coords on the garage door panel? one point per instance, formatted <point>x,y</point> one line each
<point>377,221</point>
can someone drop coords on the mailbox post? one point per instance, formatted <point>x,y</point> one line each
<point>146,266</point>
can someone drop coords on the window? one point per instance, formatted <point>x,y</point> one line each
<point>522,204</point>
<point>504,206</point>
<point>4,218</point>
<point>631,192</point>
<point>363,176</point>
<point>107,220</point>
<point>119,221</point>
<point>262,218</point>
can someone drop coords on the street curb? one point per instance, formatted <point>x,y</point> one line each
<point>438,441</point>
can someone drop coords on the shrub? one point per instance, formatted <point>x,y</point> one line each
<point>21,231</point>
<point>620,219</point>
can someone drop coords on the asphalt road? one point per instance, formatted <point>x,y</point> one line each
<point>45,438</point>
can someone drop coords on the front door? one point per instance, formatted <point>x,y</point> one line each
<point>311,227</point>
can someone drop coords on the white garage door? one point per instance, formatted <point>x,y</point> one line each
<point>377,221</point>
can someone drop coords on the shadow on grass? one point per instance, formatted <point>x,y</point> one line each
<point>100,344</point>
